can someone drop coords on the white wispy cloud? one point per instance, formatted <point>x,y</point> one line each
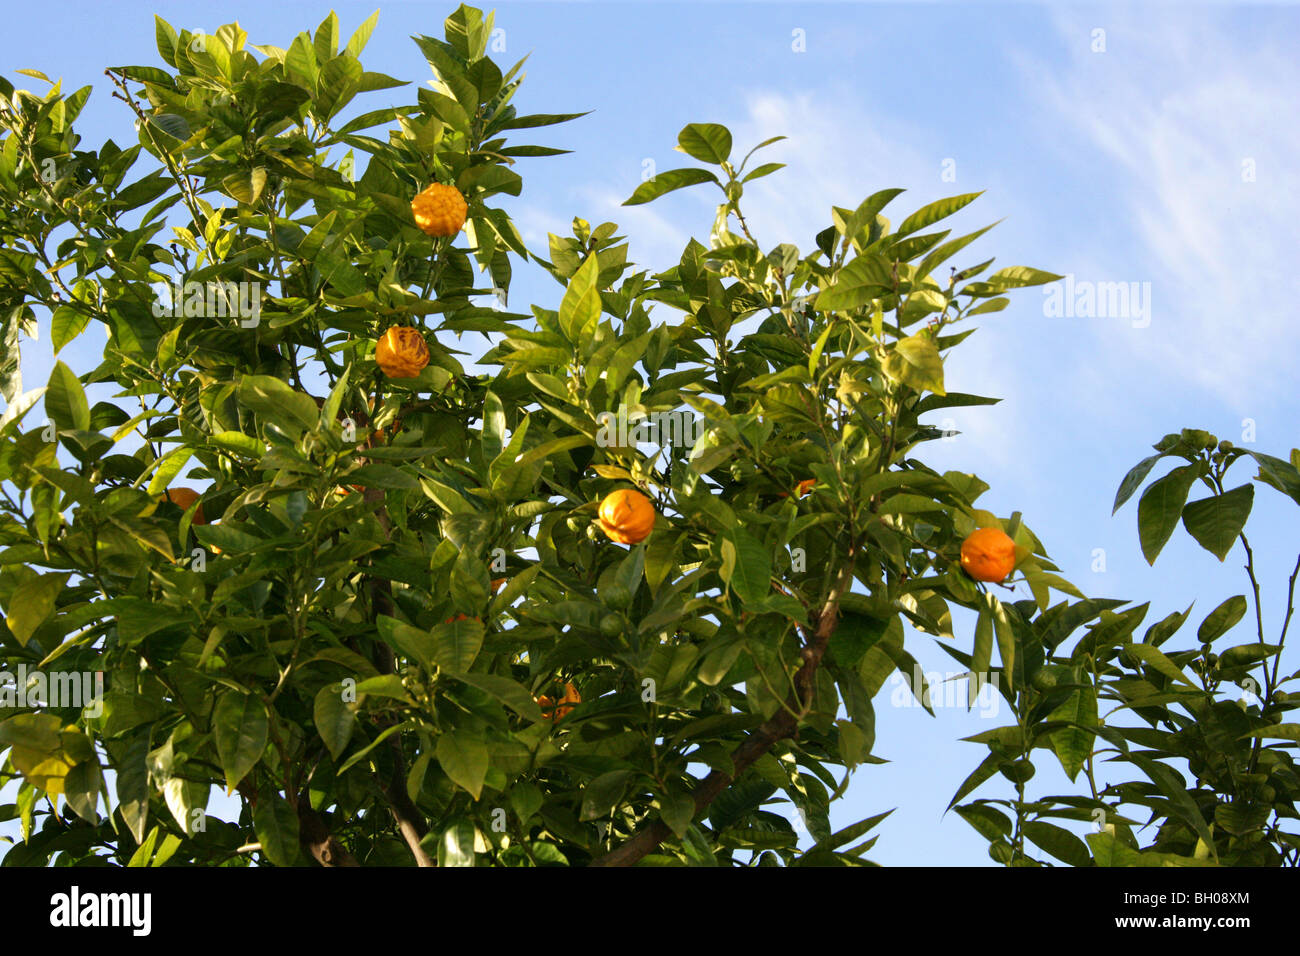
<point>1172,111</point>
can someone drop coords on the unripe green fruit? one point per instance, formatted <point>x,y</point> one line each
<point>1020,771</point>
<point>1001,852</point>
<point>616,596</point>
<point>1048,676</point>
<point>1225,445</point>
<point>611,625</point>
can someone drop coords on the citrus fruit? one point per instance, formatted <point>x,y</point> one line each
<point>804,486</point>
<point>616,596</point>
<point>988,554</point>
<point>402,352</point>
<point>184,497</point>
<point>557,709</point>
<point>611,625</point>
<point>1018,771</point>
<point>439,210</point>
<point>626,516</point>
<point>1048,676</point>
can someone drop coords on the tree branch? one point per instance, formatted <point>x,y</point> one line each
<point>317,839</point>
<point>410,821</point>
<point>780,726</point>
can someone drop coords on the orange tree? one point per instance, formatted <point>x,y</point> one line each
<point>400,630</point>
<point>1217,717</point>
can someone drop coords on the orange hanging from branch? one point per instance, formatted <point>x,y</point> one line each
<point>988,554</point>
<point>440,210</point>
<point>557,710</point>
<point>402,352</point>
<point>626,516</point>
<point>184,497</point>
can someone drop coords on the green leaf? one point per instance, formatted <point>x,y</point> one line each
<point>1162,630</point>
<point>1159,509</point>
<point>1222,619</point>
<point>749,572</point>
<point>915,362</point>
<point>133,786</point>
<point>65,399</point>
<point>1276,732</point>
<point>362,35</point>
<point>1059,842</point>
<point>66,324</point>
<point>239,725</point>
<point>707,142</point>
<point>379,475</point>
<point>765,170</point>
<point>276,826</point>
<point>580,307</point>
<point>982,656</point>
<point>527,799</point>
<point>239,444</point>
<point>81,789</point>
<point>1016,277</point>
<point>932,213</point>
<point>1006,638</point>
<point>867,277</point>
<point>329,411</point>
<point>456,643</point>
<point>165,37</point>
<point>667,181</point>
<point>1215,522</point>
<point>183,797</point>
<point>602,795</point>
<point>464,759</point>
<point>509,692</point>
<point>169,467</point>
<point>31,603</point>
<point>276,401</point>
<point>1073,745</point>
<point>334,719</point>
<point>456,848</point>
<point>677,809</point>
<point>412,642</point>
<point>1155,658</point>
<point>1134,478</point>
<point>326,41</point>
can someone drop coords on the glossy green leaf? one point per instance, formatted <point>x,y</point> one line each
<point>1160,507</point>
<point>1217,521</point>
<point>239,725</point>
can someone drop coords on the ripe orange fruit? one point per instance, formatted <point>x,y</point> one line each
<point>805,486</point>
<point>497,583</point>
<point>402,352</point>
<point>439,210</point>
<point>556,710</point>
<point>988,554</point>
<point>626,516</point>
<point>184,497</point>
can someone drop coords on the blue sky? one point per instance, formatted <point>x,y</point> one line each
<point>1166,159</point>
